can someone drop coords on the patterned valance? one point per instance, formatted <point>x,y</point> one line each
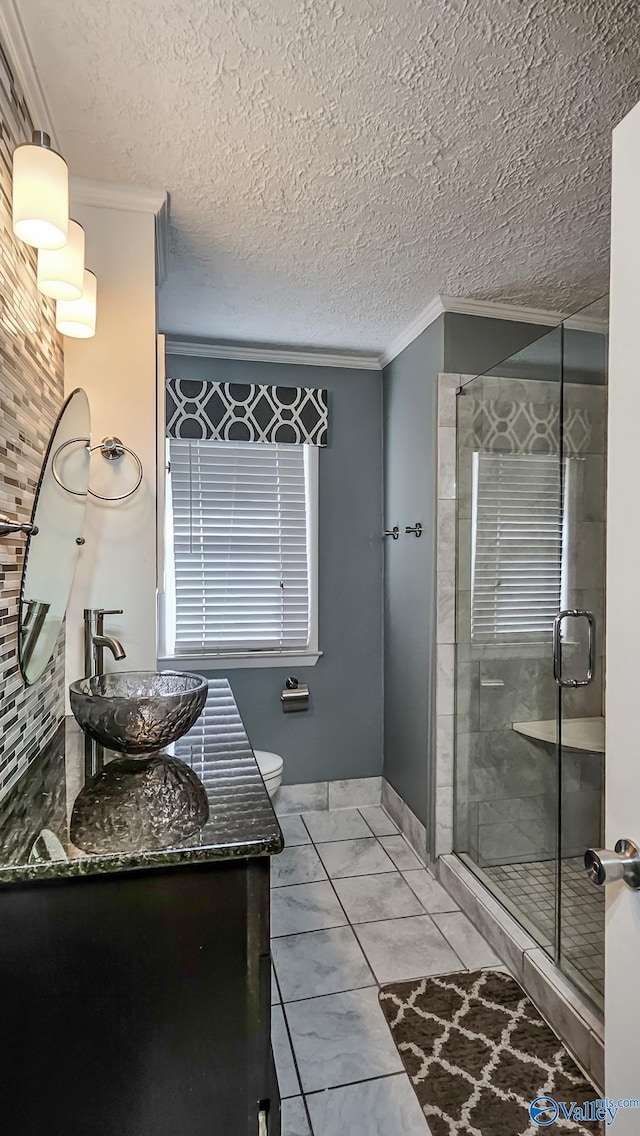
<point>250,412</point>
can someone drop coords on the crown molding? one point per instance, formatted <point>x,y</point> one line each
<point>487,309</point>
<point>133,199</point>
<point>109,195</point>
<point>308,358</point>
<point>495,309</point>
<point>597,324</point>
<point>16,45</point>
<point>423,320</point>
<point>162,241</point>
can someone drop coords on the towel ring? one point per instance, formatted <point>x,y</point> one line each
<point>112,449</point>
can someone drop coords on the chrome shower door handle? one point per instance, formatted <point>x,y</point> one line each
<point>573,613</point>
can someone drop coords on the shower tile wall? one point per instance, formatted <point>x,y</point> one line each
<point>507,783</point>
<point>31,392</point>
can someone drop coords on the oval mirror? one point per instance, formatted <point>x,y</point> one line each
<point>51,554</point>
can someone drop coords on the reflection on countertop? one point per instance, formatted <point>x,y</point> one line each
<point>35,818</point>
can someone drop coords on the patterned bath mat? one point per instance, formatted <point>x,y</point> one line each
<point>478,1054</point>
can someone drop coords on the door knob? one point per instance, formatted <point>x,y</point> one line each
<point>605,867</point>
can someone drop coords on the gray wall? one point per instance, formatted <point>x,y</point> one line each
<point>410,402</point>
<point>473,344</point>
<point>463,345</point>
<point>341,735</point>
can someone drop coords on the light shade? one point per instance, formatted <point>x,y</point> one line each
<point>40,194</point>
<point>77,318</point>
<point>61,271</point>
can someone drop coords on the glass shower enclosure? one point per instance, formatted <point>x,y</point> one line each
<point>531,527</point>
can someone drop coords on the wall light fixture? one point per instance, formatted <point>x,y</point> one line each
<point>40,194</point>
<point>61,271</point>
<point>77,318</point>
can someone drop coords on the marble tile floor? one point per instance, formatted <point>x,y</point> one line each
<point>352,908</point>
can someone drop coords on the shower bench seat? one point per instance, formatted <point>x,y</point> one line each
<point>585,734</point>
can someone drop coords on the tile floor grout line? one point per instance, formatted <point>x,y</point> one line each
<point>391,836</point>
<point>305,827</point>
<point>360,875</point>
<point>306,1110</point>
<point>349,808</point>
<point>293,1057</point>
<point>363,1081</point>
<point>352,990</point>
<point>335,840</point>
<point>377,836</point>
<point>275,975</point>
<point>354,1084</point>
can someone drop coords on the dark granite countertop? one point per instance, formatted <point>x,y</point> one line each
<point>35,816</point>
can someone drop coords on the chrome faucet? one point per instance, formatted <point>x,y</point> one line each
<point>95,642</point>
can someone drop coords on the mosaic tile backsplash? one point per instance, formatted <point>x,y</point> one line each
<point>31,395</point>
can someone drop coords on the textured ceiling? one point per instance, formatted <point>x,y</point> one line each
<point>334,165</point>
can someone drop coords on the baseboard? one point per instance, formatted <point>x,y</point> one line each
<point>576,1021</point>
<point>411,828</point>
<point>356,792</point>
<point>349,794</point>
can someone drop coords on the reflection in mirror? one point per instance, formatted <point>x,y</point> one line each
<point>50,556</point>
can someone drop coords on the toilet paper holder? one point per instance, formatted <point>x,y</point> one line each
<point>295,696</point>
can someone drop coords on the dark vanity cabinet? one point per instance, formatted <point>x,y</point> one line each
<point>135,988</point>
<point>138,1004</point>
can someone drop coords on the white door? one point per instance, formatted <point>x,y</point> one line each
<point>622,991</point>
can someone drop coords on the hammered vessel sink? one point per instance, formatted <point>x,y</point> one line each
<point>138,712</point>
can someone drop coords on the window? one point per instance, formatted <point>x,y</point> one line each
<point>517,543</point>
<point>241,524</point>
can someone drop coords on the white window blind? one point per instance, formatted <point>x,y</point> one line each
<point>517,548</point>
<point>240,521</point>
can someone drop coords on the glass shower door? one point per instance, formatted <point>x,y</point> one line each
<point>509,589</point>
<point>529,722</point>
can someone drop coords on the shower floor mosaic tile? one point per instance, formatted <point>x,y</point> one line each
<point>530,890</point>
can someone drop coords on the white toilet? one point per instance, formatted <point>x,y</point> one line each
<point>270,766</point>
